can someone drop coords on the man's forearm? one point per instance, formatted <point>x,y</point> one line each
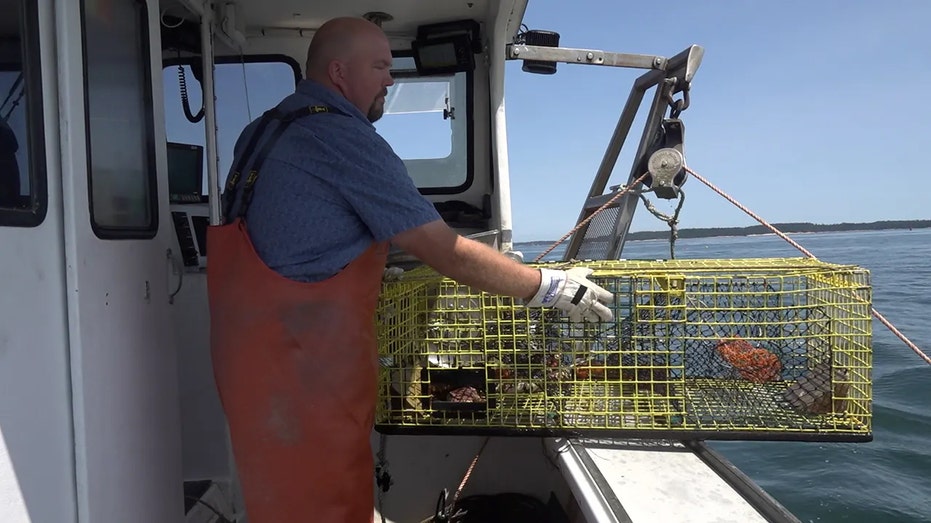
<point>478,265</point>
<point>468,261</point>
<point>482,267</point>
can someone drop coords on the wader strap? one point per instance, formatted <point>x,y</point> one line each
<point>229,195</point>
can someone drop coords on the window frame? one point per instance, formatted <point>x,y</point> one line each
<point>31,55</point>
<point>266,58</point>
<point>298,76</point>
<point>470,127</point>
<point>109,232</point>
<point>234,59</point>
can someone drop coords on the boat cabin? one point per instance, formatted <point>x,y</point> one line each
<point>117,124</point>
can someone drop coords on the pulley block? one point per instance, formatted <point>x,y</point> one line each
<point>665,162</point>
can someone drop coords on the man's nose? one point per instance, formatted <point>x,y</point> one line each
<point>390,81</point>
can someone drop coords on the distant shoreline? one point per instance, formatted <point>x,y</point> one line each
<point>790,227</point>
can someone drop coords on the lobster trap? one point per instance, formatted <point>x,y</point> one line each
<point>713,349</point>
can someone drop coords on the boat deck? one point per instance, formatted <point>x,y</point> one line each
<point>656,482</point>
<point>595,481</point>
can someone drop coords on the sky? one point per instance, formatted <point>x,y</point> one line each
<point>813,111</point>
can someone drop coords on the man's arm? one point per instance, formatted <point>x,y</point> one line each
<point>468,261</point>
<point>478,265</point>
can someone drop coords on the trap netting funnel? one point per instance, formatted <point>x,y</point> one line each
<point>713,349</point>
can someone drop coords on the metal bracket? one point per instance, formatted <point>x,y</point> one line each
<point>584,56</point>
<point>606,238</point>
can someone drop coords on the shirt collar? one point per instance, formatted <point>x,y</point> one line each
<point>331,98</point>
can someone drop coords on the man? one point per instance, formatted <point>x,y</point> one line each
<point>292,296</point>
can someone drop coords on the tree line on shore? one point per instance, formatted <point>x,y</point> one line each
<point>789,227</point>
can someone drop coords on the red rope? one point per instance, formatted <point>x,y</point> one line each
<point>875,313</point>
<point>465,478</point>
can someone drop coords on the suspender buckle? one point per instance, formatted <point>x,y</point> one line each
<point>229,196</point>
<point>250,181</point>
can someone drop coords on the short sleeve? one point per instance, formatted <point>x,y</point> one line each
<point>377,186</point>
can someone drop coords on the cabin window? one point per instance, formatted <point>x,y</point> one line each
<point>23,195</point>
<point>245,87</point>
<point>428,122</point>
<point>118,102</point>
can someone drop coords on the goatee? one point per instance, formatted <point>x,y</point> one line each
<point>376,110</point>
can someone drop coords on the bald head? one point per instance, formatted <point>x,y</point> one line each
<point>352,56</point>
<point>334,40</point>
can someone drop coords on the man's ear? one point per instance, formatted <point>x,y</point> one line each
<point>336,70</point>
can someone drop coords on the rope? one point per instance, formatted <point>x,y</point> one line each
<point>586,220</point>
<point>901,336</point>
<point>672,221</point>
<point>465,478</point>
<point>448,513</point>
<point>804,251</point>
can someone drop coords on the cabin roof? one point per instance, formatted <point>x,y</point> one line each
<point>407,14</point>
<point>283,20</point>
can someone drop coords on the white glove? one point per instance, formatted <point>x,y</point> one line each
<point>571,291</point>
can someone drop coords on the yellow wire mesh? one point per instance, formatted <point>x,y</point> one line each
<point>750,348</point>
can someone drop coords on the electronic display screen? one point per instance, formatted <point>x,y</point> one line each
<point>443,55</point>
<point>185,172</point>
<point>438,55</point>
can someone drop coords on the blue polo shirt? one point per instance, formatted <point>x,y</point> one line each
<point>328,189</point>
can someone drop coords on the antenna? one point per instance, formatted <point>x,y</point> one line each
<point>378,17</point>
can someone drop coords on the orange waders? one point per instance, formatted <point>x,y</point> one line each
<point>296,367</point>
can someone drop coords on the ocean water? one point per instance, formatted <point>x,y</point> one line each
<point>888,479</point>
